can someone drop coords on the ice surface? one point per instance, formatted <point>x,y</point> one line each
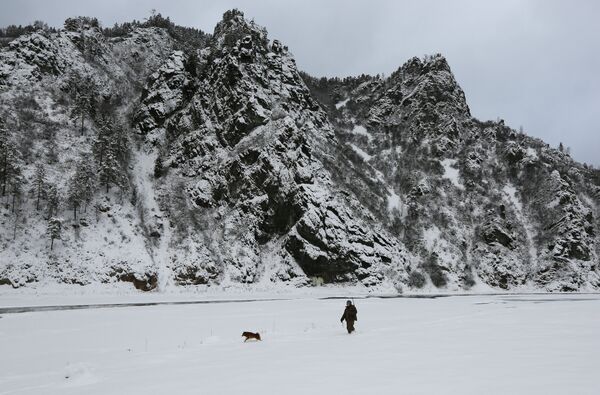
<point>534,344</point>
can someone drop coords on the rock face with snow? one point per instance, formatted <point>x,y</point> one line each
<point>480,201</point>
<point>246,171</point>
<point>246,150</point>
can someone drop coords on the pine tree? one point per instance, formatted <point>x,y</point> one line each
<point>53,200</point>
<point>74,195</point>
<point>39,183</point>
<point>16,224</point>
<point>158,167</point>
<point>102,142</point>
<point>54,230</point>
<point>83,92</point>
<point>109,171</point>
<point>17,182</point>
<point>87,181</point>
<point>120,143</point>
<point>111,151</point>
<point>52,150</point>
<point>81,186</point>
<point>9,159</point>
<point>4,158</point>
<point>81,108</point>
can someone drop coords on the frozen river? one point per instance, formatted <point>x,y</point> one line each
<point>519,344</point>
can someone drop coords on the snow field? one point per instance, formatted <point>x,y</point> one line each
<point>542,344</point>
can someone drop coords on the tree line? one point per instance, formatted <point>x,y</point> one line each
<point>188,37</point>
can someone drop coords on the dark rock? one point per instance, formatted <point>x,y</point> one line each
<point>494,233</point>
<point>5,281</point>
<point>145,282</point>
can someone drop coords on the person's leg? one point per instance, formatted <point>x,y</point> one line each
<point>350,326</point>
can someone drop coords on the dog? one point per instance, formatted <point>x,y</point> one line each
<point>251,335</point>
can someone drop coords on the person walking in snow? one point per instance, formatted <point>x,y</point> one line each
<point>350,316</point>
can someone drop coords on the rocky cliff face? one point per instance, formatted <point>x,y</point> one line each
<point>245,143</point>
<point>477,201</point>
<point>245,171</point>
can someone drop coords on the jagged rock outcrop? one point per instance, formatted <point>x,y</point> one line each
<point>248,145</point>
<point>165,92</point>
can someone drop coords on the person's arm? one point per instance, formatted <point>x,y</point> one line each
<point>343,316</point>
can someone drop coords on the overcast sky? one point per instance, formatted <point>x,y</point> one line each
<point>535,64</point>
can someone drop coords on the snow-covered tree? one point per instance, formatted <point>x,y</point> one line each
<point>83,92</point>
<point>102,142</point>
<point>9,159</point>
<point>53,200</point>
<point>82,106</point>
<point>109,171</point>
<point>39,183</point>
<point>111,151</point>
<point>121,144</point>
<point>54,229</point>
<point>16,223</point>
<point>81,186</point>
<point>52,150</point>
<point>17,183</point>
<point>86,175</point>
<point>74,195</point>
<point>158,166</point>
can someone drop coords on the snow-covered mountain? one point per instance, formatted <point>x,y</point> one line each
<point>168,157</point>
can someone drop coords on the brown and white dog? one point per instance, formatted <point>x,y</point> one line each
<point>251,335</point>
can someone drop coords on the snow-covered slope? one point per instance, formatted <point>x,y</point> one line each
<point>231,167</point>
<point>106,242</point>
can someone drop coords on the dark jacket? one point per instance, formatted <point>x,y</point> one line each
<point>349,314</point>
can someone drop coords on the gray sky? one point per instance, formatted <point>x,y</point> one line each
<point>535,64</point>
